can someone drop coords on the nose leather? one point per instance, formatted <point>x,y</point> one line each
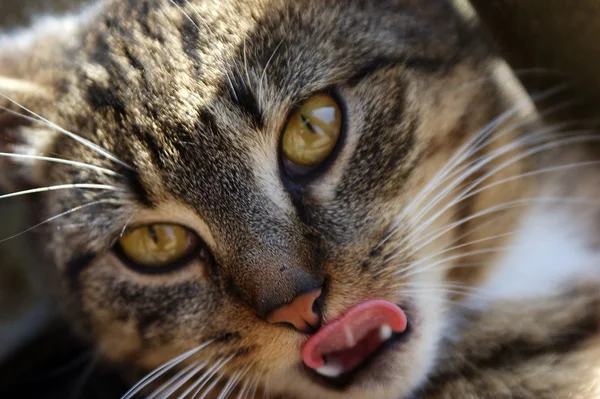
<point>299,312</point>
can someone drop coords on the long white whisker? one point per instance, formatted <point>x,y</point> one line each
<point>75,209</point>
<point>448,291</point>
<point>453,248</point>
<point>59,129</point>
<point>173,380</point>
<point>454,241</point>
<point>184,380</point>
<point>497,208</point>
<point>62,161</point>
<point>214,372</point>
<point>528,174</point>
<point>242,376</point>
<point>496,154</point>
<point>242,394</point>
<point>463,152</point>
<point>210,387</point>
<point>469,170</point>
<point>255,387</point>
<point>402,273</point>
<point>159,371</point>
<point>467,149</point>
<point>203,380</point>
<point>230,385</point>
<point>88,186</point>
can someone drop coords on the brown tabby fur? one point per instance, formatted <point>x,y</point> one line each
<point>194,97</point>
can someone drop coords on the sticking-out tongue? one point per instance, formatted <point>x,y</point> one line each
<point>343,345</point>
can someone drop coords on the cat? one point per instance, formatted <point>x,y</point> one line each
<point>305,199</point>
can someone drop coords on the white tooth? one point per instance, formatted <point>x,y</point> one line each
<point>331,369</point>
<point>349,337</point>
<point>385,332</point>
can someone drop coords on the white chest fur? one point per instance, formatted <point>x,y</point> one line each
<point>553,247</point>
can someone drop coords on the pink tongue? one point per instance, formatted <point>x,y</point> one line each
<point>352,338</point>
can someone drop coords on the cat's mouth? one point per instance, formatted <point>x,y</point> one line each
<point>341,347</point>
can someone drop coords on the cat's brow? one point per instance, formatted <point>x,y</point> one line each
<point>136,185</point>
<point>428,65</point>
<point>248,104</point>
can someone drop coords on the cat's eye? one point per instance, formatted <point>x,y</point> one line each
<point>312,131</point>
<point>157,246</point>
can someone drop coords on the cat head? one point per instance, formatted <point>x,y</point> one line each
<point>248,182</point>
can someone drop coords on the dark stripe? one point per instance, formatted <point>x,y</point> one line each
<point>104,100</point>
<point>76,266</point>
<point>429,65</point>
<point>190,41</point>
<point>516,351</point>
<point>248,103</point>
<point>137,187</point>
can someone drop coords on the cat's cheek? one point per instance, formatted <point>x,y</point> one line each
<point>124,311</point>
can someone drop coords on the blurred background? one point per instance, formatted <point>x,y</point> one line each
<point>555,36</point>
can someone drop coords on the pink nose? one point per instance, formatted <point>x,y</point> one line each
<point>299,312</point>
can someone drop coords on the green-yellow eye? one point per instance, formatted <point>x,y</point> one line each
<point>157,245</point>
<point>312,131</point>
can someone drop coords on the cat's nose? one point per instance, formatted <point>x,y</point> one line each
<point>301,312</point>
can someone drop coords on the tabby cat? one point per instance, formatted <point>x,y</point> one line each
<point>305,199</point>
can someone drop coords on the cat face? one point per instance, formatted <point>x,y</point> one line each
<point>200,229</point>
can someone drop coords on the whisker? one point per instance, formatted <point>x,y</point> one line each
<point>208,376</point>
<point>242,377</point>
<point>469,169</point>
<point>443,291</point>
<point>464,151</point>
<point>399,250</point>
<point>218,378</point>
<point>173,380</point>
<point>264,72</point>
<point>475,144</point>
<point>248,81</point>
<point>86,374</point>
<point>266,393</point>
<point>242,393</point>
<point>75,209</point>
<point>88,186</point>
<point>232,383</point>
<point>255,387</point>
<point>447,300</point>
<point>203,380</point>
<point>500,207</point>
<point>464,194</point>
<point>159,371</point>
<point>125,226</point>
<point>453,248</point>
<point>62,161</point>
<point>59,129</point>
<point>184,380</point>
<point>256,383</point>
<point>403,272</point>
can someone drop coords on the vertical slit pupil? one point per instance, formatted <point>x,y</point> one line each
<point>152,231</point>
<point>307,123</point>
